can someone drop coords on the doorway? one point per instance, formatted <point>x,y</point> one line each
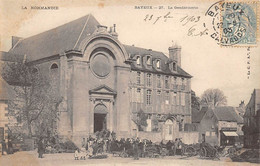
<point>99,122</point>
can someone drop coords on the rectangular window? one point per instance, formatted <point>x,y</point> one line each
<point>167,97</point>
<point>138,95</point>
<point>207,133</point>
<point>158,81</point>
<point>174,98</point>
<point>167,82</point>
<point>149,97</point>
<point>213,134</point>
<point>183,99</point>
<point>183,84</point>
<point>149,81</point>
<point>177,98</point>
<point>138,78</point>
<point>175,83</point>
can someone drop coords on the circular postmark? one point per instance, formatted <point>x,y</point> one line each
<point>232,23</point>
<point>213,24</point>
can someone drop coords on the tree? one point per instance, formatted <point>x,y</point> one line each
<point>195,101</point>
<point>213,98</point>
<point>34,104</point>
<point>140,119</point>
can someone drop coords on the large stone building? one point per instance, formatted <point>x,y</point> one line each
<point>251,126</point>
<point>104,83</point>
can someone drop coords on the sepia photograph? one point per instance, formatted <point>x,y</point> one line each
<point>129,82</point>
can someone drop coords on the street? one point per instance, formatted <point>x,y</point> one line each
<point>67,159</point>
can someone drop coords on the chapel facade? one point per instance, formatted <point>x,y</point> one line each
<point>104,83</point>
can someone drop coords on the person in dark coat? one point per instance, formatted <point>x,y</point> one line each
<point>40,148</point>
<point>136,149</point>
<point>4,149</point>
<point>10,146</point>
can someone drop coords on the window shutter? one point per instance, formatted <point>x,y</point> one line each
<point>177,98</point>
<point>134,94</point>
<point>142,78</point>
<point>142,95</point>
<point>183,99</point>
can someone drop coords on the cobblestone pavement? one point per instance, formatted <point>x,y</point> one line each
<point>67,159</point>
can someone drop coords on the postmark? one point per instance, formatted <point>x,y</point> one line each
<point>233,23</point>
<point>238,22</point>
<point>213,21</point>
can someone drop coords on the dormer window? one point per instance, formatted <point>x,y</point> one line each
<point>138,60</point>
<point>158,64</point>
<point>148,60</point>
<point>174,66</point>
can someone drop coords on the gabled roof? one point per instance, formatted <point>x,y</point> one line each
<point>132,51</point>
<point>69,37</point>
<point>227,113</point>
<point>197,115</point>
<point>58,40</point>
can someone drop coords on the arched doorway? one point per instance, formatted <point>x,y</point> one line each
<point>100,114</point>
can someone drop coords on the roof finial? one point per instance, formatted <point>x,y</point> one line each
<point>114,27</point>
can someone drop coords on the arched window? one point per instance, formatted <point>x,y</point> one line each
<point>174,66</point>
<point>148,60</point>
<point>54,66</point>
<point>138,60</point>
<point>158,64</point>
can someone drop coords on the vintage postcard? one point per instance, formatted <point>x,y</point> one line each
<point>129,82</point>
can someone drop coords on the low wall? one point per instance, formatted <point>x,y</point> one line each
<point>189,137</point>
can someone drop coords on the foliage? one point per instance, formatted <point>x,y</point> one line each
<point>195,101</point>
<point>141,119</point>
<point>213,98</point>
<point>35,104</point>
<point>155,124</point>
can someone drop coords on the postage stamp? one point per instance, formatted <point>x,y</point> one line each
<point>238,23</point>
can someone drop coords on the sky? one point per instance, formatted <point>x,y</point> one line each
<point>211,65</point>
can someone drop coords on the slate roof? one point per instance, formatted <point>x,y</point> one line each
<point>69,36</point>
<point>197,115</point>
<point>132,51</point>
<point>6,92</point>
<point>8,57</point>
<point>227,113</point>
<point>55,41</point>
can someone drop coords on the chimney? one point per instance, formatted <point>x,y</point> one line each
<point>15,40</point>
<point>242,104</point>
<point>113,31</point>
<point>175,54</point>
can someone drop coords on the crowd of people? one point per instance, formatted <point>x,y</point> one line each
<point>133,147</point>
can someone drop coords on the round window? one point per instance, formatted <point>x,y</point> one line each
<point>100,65</point>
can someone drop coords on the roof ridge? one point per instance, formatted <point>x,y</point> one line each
<point>16,44</point>
<point>44,32</point>
<point>82,31</point>
<point>144,49</point>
